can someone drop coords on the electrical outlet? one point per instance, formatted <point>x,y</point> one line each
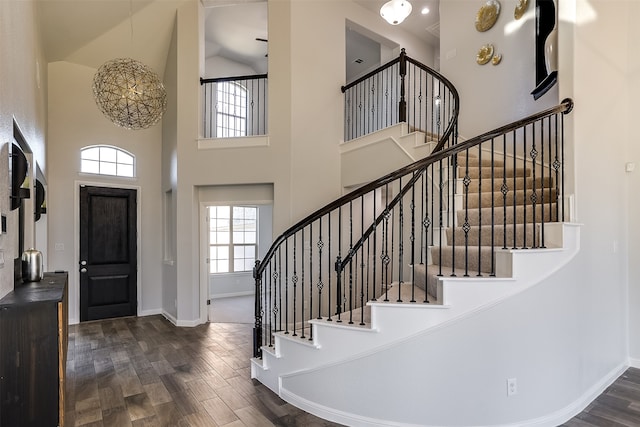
<point>512,386</point>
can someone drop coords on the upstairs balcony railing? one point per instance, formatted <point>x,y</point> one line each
<point>402,90</point>
<point>234,106</point>
<point>447,214</point>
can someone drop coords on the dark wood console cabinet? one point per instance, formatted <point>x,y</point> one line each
<point>33,353</point>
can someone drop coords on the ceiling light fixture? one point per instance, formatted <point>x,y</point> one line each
<point>425,11</point>
<point>395,11</point>
<point>129,93</point>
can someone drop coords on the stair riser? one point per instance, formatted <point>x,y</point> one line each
<point>463,259</point>
<point>542,213</point>
<point>488,184</point>
<point>475,200</point>
<point>477,236</point>
<point>475,173</point>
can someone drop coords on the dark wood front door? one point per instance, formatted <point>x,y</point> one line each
<point>108,253</point>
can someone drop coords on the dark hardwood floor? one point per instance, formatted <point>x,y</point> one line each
<point>618,405</point>
<point>146,372</point>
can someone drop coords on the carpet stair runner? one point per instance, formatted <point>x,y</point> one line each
<point>493,220</point>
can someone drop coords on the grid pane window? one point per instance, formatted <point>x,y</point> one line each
<point>231,115</point>
<point>106,160</point>
<point>233,238</point>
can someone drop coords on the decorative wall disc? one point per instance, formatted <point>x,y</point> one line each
<point>521,8</point>
<point>496,59</point>
<point>484,54</point>
<point>487,15</point>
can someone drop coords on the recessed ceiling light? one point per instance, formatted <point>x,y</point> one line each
<point>425,10</point>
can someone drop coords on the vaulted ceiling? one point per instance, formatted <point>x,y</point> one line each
<point>90,32</point>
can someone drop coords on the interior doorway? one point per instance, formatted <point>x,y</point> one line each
<point>236,224</point>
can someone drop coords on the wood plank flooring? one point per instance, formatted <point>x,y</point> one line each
<point>617,406</point>
<point>147,372</point>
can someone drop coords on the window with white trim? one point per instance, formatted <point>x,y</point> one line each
<point>107,160</point>
<point>233,238</point>
<point>231,114</point>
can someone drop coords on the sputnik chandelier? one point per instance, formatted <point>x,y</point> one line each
<point>129,93</point>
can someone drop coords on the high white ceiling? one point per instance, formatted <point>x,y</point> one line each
<point>90,32</point>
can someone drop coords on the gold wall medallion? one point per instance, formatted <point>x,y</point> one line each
<point>521,8</point>
<point>496,59</point>
<point>484,54</point>
<point>487,15</point>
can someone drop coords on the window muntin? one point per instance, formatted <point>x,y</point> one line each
<point>231,110</point>
<point>233,238</point>
<point>107,160</point>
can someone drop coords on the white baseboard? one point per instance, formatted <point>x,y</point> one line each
<point>232,294</point>
<point>182,323</point>
<point>634,363</point>
<point>152,312</point>
<point>556,418</point>
<point>578,405</point>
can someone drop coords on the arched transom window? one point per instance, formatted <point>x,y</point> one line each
<point>107,160</point>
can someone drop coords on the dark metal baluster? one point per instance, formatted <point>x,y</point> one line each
<point>534,186</point>
<point>368,258</point>
<point>385,239</point>
<point>543,185</point>
<point>320,285</point>
<point>426,222</point>
<point>362,265</point>
<point>286,286</point>
<point>553,213</point>
<point>561,163</point>
<point>524,191</point>
<point>302,318</point>
<point>441,221</point>
<point>466,227</point>
<point>412,239</point>
<point>269,288</point>
<point>493,211</point>
<point>480,210</point>
<point>515,187</point>
<point>294,280</point>
<point>351,262</point>
<point>422,213</point>
<point>433,201</point>
<point>375,252</point>
<point>453,183</point>
<point>504,189</point>
<point>338,268</point>
<point>280,286</point>
<point>400,244</point>
<point>310,279</point>
<point>330,273</point>
<point>205,110</point>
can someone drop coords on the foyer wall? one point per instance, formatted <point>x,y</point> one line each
<point>301,160</point>
<point>23,97</point>
<point>70,104</point>
<point>491,95</point>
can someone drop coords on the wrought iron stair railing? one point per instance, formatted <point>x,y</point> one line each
<point>446,215</point>
<point>401,91</point>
